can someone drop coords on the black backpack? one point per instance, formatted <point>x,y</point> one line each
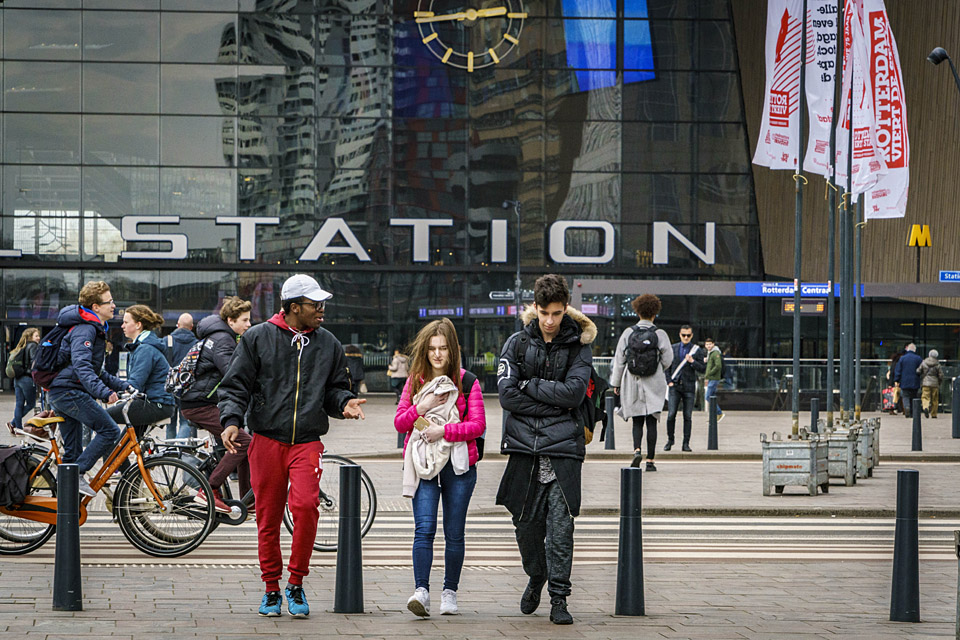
<point>593,407</point>
<point>643,351</point>
<point>46,359</point>
<point>14,475</point>
<point>467,383</point>
<point>182,376</point>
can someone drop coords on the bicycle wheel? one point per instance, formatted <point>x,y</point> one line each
<point>19,536</point>
<point>182,526</point>
<point>328,525</point>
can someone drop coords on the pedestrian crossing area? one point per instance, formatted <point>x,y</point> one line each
<point>490,541</point>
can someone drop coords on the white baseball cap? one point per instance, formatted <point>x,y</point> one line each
<point>302,285</point>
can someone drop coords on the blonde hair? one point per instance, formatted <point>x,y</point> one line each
<point>145,316</point>
<point>25,337</point>
<point>233,307</point>
<point>420,368</point>
<point>92,292</point>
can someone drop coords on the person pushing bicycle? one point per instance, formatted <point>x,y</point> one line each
<point>291,375</point>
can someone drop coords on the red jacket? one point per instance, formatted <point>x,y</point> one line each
<point>469,430</point>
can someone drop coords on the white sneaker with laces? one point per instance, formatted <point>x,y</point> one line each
<point>85,488</point>
<point>419,602</point>
<point>448,603</point>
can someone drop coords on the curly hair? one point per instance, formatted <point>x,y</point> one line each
<point>647,306</point>
<point>233,307</point>
<point>146,316</point>
<point>551,288</point>
<point>92,293</point>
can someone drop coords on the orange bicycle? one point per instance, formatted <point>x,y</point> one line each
<point>154,501</point>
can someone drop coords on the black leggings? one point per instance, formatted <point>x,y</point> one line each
<point>651,434</point>
<point>142,414</point>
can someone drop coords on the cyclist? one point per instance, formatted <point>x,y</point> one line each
<point>291,375</point>
<point>220,333</point>
<point>436,356</point>
<point>82,381</point>
<point>146,370</point>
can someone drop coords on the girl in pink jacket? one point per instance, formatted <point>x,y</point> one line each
<point>436,352</point>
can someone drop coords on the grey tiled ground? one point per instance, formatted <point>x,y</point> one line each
<point>694,600</point>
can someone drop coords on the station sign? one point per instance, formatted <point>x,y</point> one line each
<point>950,276</point>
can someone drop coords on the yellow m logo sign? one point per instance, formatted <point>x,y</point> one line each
<point>920,236</point>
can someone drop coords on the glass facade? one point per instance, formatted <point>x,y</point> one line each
<point>186,150</point>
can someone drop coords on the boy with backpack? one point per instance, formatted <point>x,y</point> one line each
<point>69,363</point>
<point>643,355</point>
<point>543,376</point>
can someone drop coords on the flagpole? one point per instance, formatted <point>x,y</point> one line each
<point>832,219</point>
<point>861,223</point>
<point>798,229</point>
<point>845,364</point>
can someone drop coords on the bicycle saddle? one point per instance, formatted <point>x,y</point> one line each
<point>40,422</point>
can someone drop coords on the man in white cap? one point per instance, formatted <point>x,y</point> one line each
<point>290,375</point>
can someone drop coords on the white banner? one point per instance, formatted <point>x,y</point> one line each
<point>888,198</point>
<point>868,163</point>
<point>821,73</point>
<point>780,126</point>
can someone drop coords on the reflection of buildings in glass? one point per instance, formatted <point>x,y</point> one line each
<point>291,165</point>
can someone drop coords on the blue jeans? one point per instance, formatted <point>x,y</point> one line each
<point>676,397</point>
<point>456,492</point>
<point>26,392</point>
<point>78,408</point>
<point>711,392</point>
<point>179,426</point>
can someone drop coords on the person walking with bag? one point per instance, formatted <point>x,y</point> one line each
<point>398,373</point>
<point>441,411</point>
<point>642,357</point>
<point>931,375</point>
<point>19,363</point>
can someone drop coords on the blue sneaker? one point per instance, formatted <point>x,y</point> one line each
<point>270,605</point>
<point>296,602</point>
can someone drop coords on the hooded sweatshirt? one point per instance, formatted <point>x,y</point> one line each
<point>83,349</point>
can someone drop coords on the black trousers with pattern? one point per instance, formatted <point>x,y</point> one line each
<point>545,538</point>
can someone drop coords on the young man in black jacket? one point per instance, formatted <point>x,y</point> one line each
<point>682,385</point>
<point>290,375</point>
<point>542,376</point>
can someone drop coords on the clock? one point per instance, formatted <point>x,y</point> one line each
<point>470,34</point>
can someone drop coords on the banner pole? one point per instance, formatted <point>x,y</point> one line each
<point>798,230</point>
<point>858,315</point>
<point>832,221</point>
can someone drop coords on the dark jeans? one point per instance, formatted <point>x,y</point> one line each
<point>26,392</point>
<point>78,408</point>
<point>180,426</point>
<point>676,397</point>
<point>208,417</point>
<point>455,491</point>
<point>545,538</point>
<point>397,385</point>
<point>711,394</point>
<point>908,396</point>
<point>651,434</point>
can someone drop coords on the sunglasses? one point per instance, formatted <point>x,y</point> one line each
<point>316,305</point>
<point>686,335</point>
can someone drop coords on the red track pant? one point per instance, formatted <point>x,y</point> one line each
<point>273,467</point>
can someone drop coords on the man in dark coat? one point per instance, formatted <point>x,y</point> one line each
<point>906,377</point>
<point>178,344</point>
<point>542,376</point>
<point>682,386</point>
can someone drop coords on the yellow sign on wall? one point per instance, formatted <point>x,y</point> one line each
<point>920,236</point>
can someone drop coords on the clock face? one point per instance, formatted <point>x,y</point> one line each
<point>470,34</point>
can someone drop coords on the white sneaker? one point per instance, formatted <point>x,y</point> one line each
<point>448,603</point>
<point>85,488</point>
<point>419,602</point>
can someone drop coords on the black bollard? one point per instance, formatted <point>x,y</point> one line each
<point>67,584</point>
<point>814,414</point>
<point>905,592</point>
<point>917,444</point>
<point>608,440</point>
<point>955,408</point>
<point>630,555</point>
<point>712,423</point>
<point>348,597</point>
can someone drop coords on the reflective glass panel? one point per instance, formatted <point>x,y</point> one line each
<point>285,144</point>
<point>197,141</point>
<point>198,37</point>
<point>41,138</point>
<point>42,204</point>
<point>33,294</point>
<point>114,192</point>
<point>41,35</point>
<point>121,35</point>
<point>201,194</point>
<point>121,88</point>
<point>285,39</point>
<point>344,40</point>
<point>353,91</point>
<point>583,146</point>
<point>276,91</point>
<point>41,86</point>
<point>128,287</point>
<point>118,140</point>
<point>198,90</point>
<point>658,146</point>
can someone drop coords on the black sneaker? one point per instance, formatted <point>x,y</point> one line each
<point>637,459</point>
<point>669,445</point>
<point>650,466</point>
<point>926,412</point>
<point>558,611</point>
<point>530,599</point>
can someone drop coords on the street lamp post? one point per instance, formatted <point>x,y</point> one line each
<point>518,293</point>
<point>937,56</point>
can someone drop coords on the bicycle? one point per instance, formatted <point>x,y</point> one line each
<point>154,502</point>
<point>328,524</point>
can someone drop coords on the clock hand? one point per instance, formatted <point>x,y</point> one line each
<point>490,13</point>
<point>469,14</point>
<point>441,18</point>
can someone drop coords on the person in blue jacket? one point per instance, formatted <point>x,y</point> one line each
<point>81,380</point>
<point>906,377</point>
<point>147,369</point>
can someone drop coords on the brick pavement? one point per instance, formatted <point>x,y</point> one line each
<point>847,600</point>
